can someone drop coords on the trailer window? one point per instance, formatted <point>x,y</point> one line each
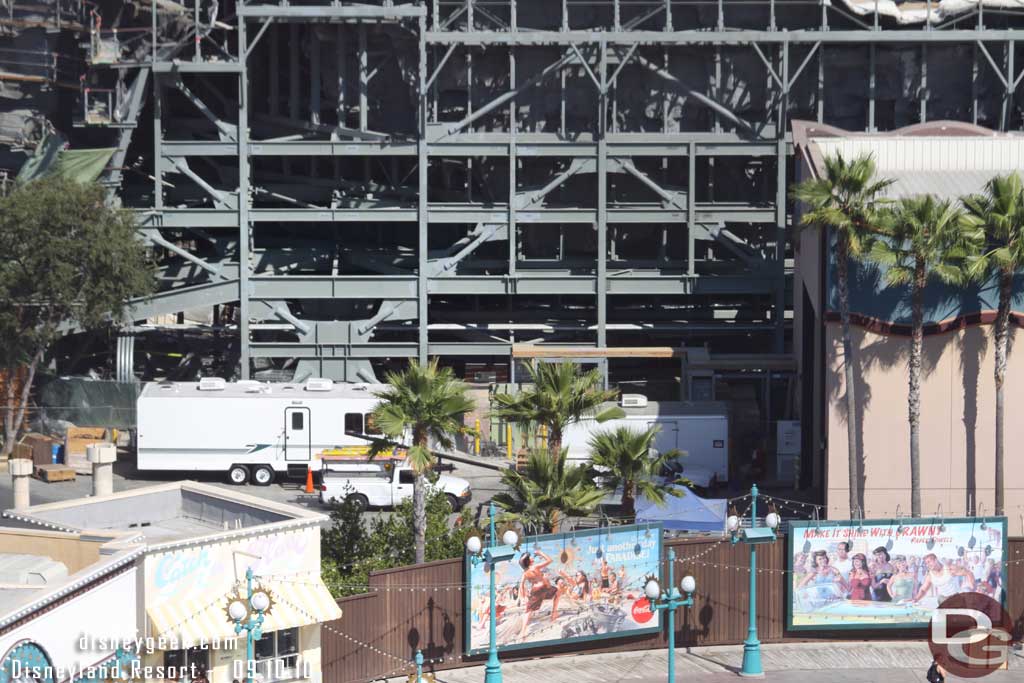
<point>353,423</point>
<point>297,421</point>
<point>371,428</point>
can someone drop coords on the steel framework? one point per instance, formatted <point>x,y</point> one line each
<point>382,181</point>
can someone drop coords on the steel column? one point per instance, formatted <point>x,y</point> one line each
<point>244,235</point>
<point>602,201</point>
<point>422,183</point>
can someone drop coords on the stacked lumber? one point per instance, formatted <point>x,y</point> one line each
<point>75,443</point>
<point>52,473</point>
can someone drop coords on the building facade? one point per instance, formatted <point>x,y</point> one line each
<point>949,160</point>
<point>197,544</point>
<point>69,605</point>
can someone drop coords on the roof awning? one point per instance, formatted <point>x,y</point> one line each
<point>301,601</point>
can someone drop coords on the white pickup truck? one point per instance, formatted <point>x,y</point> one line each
<point>383,485</point>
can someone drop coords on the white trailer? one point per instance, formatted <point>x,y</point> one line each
<point>247,429</point>
<point>698,428</point>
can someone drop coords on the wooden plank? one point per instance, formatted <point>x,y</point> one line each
<point>538,351</point>
<point>51,473</point>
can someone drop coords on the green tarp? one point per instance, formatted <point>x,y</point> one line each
<point>50,157</point>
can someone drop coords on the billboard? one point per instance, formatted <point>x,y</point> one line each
<point>581,585</point>
<point>891,573</point>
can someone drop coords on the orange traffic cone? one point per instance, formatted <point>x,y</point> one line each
<point>309,480</point>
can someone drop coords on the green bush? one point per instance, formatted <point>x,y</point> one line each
<point>353,546</point>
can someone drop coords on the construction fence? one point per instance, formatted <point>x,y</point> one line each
<point>422,607</point>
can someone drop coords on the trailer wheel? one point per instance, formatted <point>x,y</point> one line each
<point>263,475</point>
<point>358,501</point>
<point>238,475</point>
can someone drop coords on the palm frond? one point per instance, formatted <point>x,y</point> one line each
<point>559,396</point>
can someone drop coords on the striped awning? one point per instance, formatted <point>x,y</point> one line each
<point>301,601</point>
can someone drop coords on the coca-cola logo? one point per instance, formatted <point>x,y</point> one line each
<point>642,611</point>
<point>969,635</point>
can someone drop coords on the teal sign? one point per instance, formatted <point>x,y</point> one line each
<point>26,661</point>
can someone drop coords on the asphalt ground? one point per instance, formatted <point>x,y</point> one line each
<point>484,481</point>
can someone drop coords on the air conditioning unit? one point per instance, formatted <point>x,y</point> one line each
<point>319,384</point>
<point>251,386</point>
<point>212,384</point>
<point>633,401</point>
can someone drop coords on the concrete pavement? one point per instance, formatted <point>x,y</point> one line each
<point>846,662</point>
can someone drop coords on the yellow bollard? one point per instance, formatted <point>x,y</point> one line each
<point>508,440</point>
<point>476,439</point>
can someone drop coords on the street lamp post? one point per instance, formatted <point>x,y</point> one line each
<point>753,537</point>
<point>490,557</point>
<point>248,615</point>
<point>671,600</point>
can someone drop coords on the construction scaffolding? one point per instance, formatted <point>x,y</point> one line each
<point>335,187</point>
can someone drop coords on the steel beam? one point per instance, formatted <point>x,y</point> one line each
<point>214,218</point>
<point>737,38</point>
<point>312,13</point>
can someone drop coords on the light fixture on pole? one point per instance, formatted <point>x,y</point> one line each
<point>489,557</point>
<point>753,536</point>
<point>669,601</point>
<point>248,612</point>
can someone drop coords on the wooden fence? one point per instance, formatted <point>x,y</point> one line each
<point>422,608</point>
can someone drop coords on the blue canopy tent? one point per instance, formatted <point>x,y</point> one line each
<point>689,512</point>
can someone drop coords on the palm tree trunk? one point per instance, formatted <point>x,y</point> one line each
<point>842,267</point>
<point>628,500</point>
<point>419,519</point>
<point>1002,335</point>
<point>555,441</point>
<point>914,391</point>
<point>419,506</point>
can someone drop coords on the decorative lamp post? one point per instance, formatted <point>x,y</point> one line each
<point>753,536</point>
<point>671,600</point>
<point>489,557</point>
<point>247,612</point>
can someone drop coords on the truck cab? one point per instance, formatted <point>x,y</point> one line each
<point>383,484</point>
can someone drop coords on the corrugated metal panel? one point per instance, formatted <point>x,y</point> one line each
<point>993,154</point>
<point>946,167</point>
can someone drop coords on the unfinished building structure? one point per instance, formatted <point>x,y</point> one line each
<point>334,187</point>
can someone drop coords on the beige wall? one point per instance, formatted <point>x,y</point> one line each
<point>957,424</point>
<point>68,549</point>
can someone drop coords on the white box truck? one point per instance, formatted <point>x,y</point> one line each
<point>698,428</point>
<point>250,430</point>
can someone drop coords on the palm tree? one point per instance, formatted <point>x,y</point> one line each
<point>560,396</point>
<point>547,491</point>
<point>925,238</point>
<point>999,215</point>
<point>845,200</point>
<point>624,460</point>
<point>428,403</point>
